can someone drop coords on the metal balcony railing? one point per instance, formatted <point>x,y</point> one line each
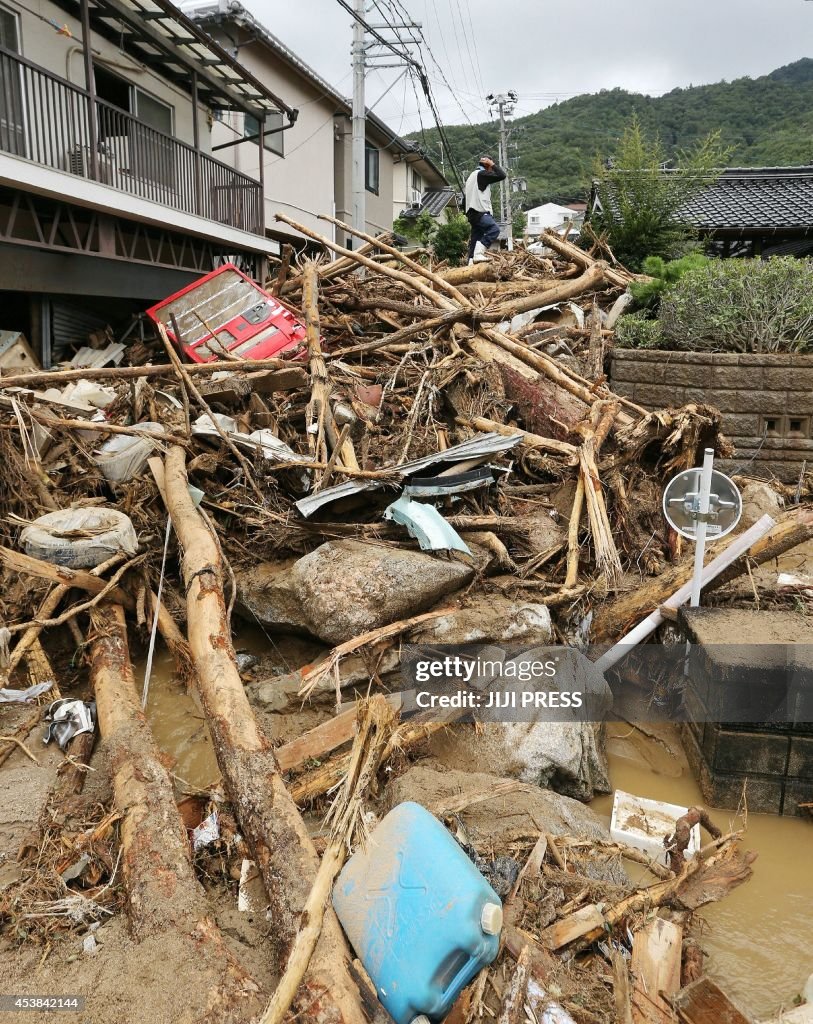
<point>47,119</point>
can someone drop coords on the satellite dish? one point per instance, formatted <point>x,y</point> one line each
<point>681,504</point>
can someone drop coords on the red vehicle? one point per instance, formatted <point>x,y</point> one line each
<point>226,312</point>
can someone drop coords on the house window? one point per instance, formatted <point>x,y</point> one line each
<point>152,111</point>
<point>9,34</point>
<point>273,143</point>
<point>415,194</point>
<point>371,169</point>
<point>12,118</point>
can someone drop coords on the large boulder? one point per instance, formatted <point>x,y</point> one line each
<point>265,595</point>
<point>347,587</point>
<point>489,815</point>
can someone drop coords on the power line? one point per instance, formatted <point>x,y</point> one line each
<point>377,35</point>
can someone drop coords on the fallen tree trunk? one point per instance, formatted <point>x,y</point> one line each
<point>614,617</point>
<point>163,893</point>
<point>621,278</point>
<point>116,373</point>
<point>593,277</point>
<point>268,817</point>
<point>16,561</point>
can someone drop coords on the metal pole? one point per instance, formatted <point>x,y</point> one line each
<point>261,142</point>
<point>359,219</point>
<point>196,143</point>
<point>700,541</point>
<point>90,85</point>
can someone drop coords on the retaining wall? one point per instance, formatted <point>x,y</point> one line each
<point>766,401</point>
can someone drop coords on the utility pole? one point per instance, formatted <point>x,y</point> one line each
<point>505,103</point>
<point>359,198</point>
<point>369,54</point>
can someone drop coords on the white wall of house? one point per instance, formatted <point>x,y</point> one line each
<point>378,204</point>
<point>300,182</point>
<point>408,185</point>
<point>62,56</point>
<point>550,215</point>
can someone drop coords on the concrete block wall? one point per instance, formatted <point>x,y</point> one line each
<point>776,768</point>
<point>766,401</point>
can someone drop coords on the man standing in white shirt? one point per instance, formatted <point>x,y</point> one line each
<point>479,212</point>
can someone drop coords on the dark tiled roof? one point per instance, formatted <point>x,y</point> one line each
<point>753,199</point>
<point>434,201</point>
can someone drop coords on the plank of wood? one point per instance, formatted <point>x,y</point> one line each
<point>560,933</point>
<point>324,738</point>
<point>656,957</point>
<point>704,1002</point>
<point>621,989</point>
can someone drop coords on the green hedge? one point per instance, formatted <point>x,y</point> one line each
<point>731,306</point>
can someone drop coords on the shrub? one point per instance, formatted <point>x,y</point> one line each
<point>451,240</point>
<point>741,306</point>
<point>634,330</point>
<point>420,229</point>
<point>648,294</point>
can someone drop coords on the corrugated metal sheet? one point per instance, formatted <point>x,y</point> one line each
<point>483,445</point>
<point>69,327</point>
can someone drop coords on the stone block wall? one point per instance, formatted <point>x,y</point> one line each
<point>766,401</point>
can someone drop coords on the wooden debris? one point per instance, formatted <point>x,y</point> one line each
<point>704,1002</point>
<point>268,817</point>
<point>655,966</point>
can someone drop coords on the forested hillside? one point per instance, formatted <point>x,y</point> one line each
<point>766,121</point>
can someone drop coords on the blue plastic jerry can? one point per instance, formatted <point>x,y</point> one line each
<point>418,913</point>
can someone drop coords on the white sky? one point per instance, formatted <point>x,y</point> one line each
<point>550,49</point>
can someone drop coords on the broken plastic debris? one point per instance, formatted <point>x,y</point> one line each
<point>426,525</point>
<point>76,869</point>
<point>23,696</point>
<point>69,718</point>
<point>206,833</point>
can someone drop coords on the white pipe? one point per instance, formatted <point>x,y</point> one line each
<point>735,549</point>
<point>702,526</point>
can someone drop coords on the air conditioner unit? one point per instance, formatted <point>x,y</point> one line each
<point>78,161</point>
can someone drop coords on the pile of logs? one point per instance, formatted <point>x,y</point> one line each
<point>403,359</point>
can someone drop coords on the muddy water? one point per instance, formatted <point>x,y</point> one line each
<point>760,937</point>
<point>176,719</point>
<point>178,725</point>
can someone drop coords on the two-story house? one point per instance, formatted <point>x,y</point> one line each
<point>419,185</point>
<point>308,169</point>
<point>110,195</point>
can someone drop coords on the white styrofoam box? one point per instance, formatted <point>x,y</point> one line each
<point>644,824</point>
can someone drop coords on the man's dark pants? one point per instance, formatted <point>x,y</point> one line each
<point>483,229</point>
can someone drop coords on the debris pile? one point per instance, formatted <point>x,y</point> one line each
<point>433,454</point>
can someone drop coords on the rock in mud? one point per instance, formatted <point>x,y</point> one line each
<point>265,595</point>
<point>346,588</point>
<point>489,619</point>
<point>759,499</point>
<point>561,750</point>
<point>491,823</point>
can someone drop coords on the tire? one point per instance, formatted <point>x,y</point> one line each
<point>53,537</point>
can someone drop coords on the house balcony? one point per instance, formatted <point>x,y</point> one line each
<point>55,124</point>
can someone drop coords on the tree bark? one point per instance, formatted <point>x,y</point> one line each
<point>613,618</point>
<point>163,893</point>
<point>268,817</point>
